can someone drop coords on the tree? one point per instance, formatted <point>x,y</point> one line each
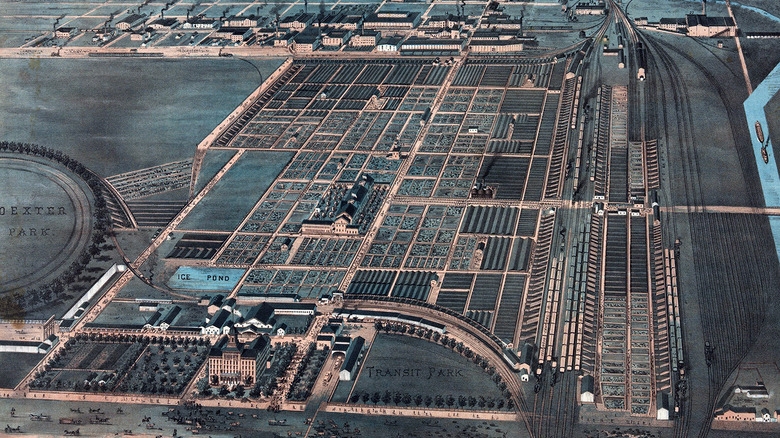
<point>418,399</point>
<point>397,398</point>
<point>439,400</point>
<point>375,397</point>
<point>387,397</point>
<point>428,400</point>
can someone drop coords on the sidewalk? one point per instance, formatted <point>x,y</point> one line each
<point>399,411</point>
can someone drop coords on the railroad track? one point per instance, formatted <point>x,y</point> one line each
<point>709,226</point>
<point>664,64</point>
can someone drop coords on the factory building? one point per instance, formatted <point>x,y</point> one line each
<point>704,26</point>
<point>392,21</point>
<point>336,37</point>
<point>433,44</point>
<point>130,22</point>
<point>243,21</point>
<point>200,23</point>
<point>366,38</point>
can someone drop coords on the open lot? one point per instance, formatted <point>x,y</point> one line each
<point>22,364</point>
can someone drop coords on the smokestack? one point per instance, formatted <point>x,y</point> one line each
<point>704,7</point>
<point>522,15</point>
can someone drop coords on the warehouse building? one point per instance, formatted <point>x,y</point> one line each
<point>352,359</point>
<point>392,21</point>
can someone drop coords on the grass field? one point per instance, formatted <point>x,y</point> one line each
<point>16,366</point>
<point>417,366</point>
<point>119,115</point>
<point>214,160</point>
<point>237,192</point>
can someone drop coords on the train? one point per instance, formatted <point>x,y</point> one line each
<point>641,61</point>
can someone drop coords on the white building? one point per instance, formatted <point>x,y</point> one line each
<point>587,384</point>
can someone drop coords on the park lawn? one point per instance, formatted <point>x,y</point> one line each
<point>417,366</point>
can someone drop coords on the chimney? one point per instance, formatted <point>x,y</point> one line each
<point>522,15</point>
<point>704,7</point>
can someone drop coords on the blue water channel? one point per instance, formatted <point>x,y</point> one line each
<point>768,172</point>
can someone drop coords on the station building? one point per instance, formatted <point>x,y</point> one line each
<point>496,46</point>
<point>736,413</point>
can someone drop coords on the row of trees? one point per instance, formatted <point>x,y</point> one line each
<point>173,341</point>
<point>268,381</point>
<point>55,289</point>
<point>430,335</point>
<point>439,401</point>
<point>307,373</point>
<point>166,367</point>
<point>458,346</point>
